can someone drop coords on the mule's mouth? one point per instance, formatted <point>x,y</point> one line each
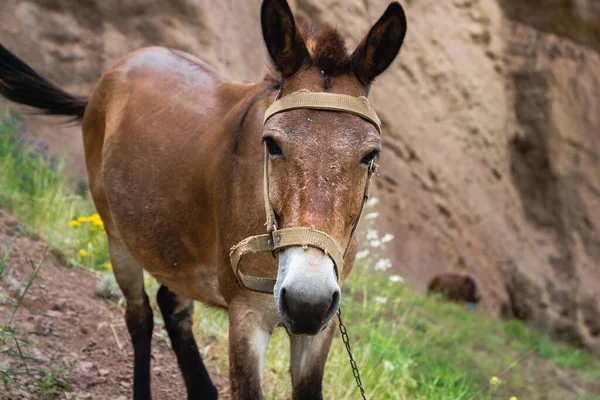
<point>291,332</point>
<point>306,293</point>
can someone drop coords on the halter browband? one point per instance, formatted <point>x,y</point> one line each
<point>303,236</point>
<point>325,101</point>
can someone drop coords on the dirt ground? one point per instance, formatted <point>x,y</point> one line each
<point>82,337</point>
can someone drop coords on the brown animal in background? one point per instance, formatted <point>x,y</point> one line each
<point>175,154</point>
<point>454,287</point>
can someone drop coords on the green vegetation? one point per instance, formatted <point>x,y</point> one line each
<point>407,346</point>
<point>34,187</point>
<point>412,347</point>
<point>16,347</point>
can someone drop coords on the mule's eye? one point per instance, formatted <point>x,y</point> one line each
<point>272,147</point>
<point>370,157</point>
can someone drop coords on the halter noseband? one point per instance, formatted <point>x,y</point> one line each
<point>276,239</point>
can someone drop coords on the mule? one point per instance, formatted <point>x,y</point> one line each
<point>455,287</point>
<point>175,154</point>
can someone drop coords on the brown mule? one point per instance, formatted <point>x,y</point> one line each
<point>175,164</point>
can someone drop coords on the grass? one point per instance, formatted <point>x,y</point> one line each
<point>407,346</point>
<point>11,340</point>
<point>14,343</point>
<point>412,347</point>
<point>19,367</point>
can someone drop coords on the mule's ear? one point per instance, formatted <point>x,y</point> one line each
<point>283,39</point>
<point>381,45</point>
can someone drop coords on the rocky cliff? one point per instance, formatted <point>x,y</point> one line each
<point>491,163</point>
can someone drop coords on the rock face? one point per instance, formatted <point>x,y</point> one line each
<point>491,163</point>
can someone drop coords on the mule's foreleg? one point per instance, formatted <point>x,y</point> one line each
<point>248,340</point>
<point>138,315</point>
<point>307,362</point>
<point>177,312</point>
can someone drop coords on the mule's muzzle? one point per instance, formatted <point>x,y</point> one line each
<point>307,293</point>
<point>307,316</point>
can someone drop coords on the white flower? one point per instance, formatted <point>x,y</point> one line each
<point>383,264</point>
<point>388,365</point>
<point>372,234</point>
<point>372,202</point>
<point>380,299</point>
<point>372,215</point>
<point>362,254</point>
<point>375,243</point>
<point>387,238</point>
<point>396,278</point>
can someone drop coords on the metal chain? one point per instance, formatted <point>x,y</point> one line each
<point>346,341</point>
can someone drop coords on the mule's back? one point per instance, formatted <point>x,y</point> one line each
<point>154,140</point>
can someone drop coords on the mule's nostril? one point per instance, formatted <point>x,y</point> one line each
<point>335,302</point>
<point>285,308</point>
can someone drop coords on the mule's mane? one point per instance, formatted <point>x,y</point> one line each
<point>327,49</point>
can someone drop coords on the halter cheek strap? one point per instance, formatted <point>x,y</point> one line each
<point>304,236</point>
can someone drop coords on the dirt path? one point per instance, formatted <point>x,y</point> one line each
<point>82,338</point>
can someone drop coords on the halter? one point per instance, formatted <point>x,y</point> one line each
<point>304,236</point>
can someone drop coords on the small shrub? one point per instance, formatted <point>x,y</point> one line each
<point>13,343</point>
<point>88,234</point>
<point>34,187</point>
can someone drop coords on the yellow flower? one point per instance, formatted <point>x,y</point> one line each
<point>82,252</point>
<point>98,222</point>
<point>74,223</point>
<point>108,266</point>
<point>83,219</point>
<point>513,398</point>
<point>95,217</point>
<point>494,380</point>
<point>93,229</point>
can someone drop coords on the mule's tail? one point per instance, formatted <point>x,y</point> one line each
<point>21,84</point>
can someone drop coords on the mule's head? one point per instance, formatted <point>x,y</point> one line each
<point>318,160</point>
